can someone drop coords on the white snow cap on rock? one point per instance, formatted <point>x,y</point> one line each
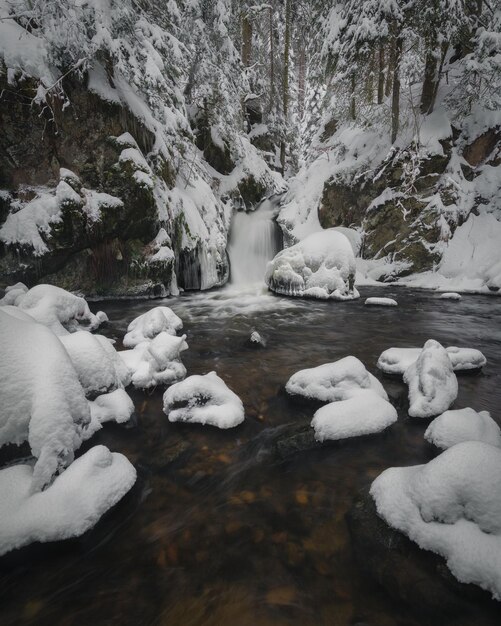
<point>150,324</point>
<point>13,293</point>
<point>381,302</point>
<point>454,427</point>
<point>450,295</point>
<point>97,363</point>
<point>58,309</point>
<point>397,360</point>
<point>42,399</point>
<point>156,361</point>
<point>451,506</point>
<point>364,413</point>
<point>204,400</point>
<point>320,266</point>
<point>433,386</point>
<point>115,406</point>
<point>334,381</point>
<point>71,505</point>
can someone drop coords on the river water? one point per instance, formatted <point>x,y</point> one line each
<point>220,529</point>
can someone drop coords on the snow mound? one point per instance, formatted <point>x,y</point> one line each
<point>334,381</point>
<point>150,324</point>
<point>321,266</point>
<point>58,309</point>
<point>97,363</point>
<point>364,413</point>
<point>71,505</point>
<point>454,427</point>
<point>42,400</point>
<point>204,400</point>
<point>450,295</point>
<point>115,406</point>
<point>451,506</point>
<point>13,293</point>
<point>381,302</point>
<point>397,360</point>
<point>157,361</point>
<point>433,386</point>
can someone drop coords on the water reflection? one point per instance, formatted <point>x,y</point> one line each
<point>220,528</point>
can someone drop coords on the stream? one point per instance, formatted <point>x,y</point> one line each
<point>222,530</point>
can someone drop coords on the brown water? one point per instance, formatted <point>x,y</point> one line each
<point>221,531</point>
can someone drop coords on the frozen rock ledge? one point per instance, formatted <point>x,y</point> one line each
<point>320,266</point>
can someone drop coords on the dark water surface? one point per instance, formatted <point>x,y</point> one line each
<point>221,531</point>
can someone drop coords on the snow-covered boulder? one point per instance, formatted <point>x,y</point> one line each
<point>71,505</point>
<point>156,361</point>
<point>334,381</point>
<point>381,302</point>
<point>451,506</point>
<point>13,293</point>
<point>450,295</point>
<point>433,386</point>
<point>42,401</point>
<point>454,427</point>
<point>204,400</point>
<point>58,309</point>
<point>97,363</point>
<point>320,266</point>
<point>397,360</point>
<point>149,325</point>
<point>115,406</point>
<point>364,413</point>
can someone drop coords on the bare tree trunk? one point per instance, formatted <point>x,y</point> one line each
<point>301,79</point>
<point>395,98</point>
<point>380,82</point>
<point>445,48</point>
<point>429,80</point>
<point>353,106</point>
<point>390,70</point>
<point>272,57</point>
<point>246,40</point>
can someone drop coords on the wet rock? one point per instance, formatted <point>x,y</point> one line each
<point>419,578</point>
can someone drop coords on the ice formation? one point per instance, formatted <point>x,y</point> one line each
<point>334,381</point>
<point>364,413</point>
<point>320,266</point>
<point>156,361</point>
<point>397,360</point>
<point>204,400</point>
<point>451,506</point>
<point>150,324</point>
<point>71,505</point>
<point>42,399</point>
<point>433,386</point>
<point>454,427</point>
<point>381,302</point>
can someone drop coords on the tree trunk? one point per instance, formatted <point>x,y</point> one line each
<point>301,88</point>
<point>429,80</point>
<point>285,77</point>
<point>353,106</point>
<point>390,70</point>
<point>272,62</point>
<point>246,40</point>
<point>445,48</point>
<point>395,98</point>
<point>380,82</point>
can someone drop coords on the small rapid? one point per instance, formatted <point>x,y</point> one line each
<point>254,241</point>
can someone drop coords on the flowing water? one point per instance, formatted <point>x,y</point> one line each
<point>220,529</point>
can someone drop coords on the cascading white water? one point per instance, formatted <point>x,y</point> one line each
<point>253,242</point>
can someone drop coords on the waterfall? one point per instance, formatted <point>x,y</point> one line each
<point>254,240</point>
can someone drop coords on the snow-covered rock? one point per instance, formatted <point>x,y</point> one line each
<point>156,361</point>
<point>450,295</point>
<point>42,401</point>
<point>451,506</point>
<point>381,302</point>
<point>334,381</point>
<point>13,293</point>
<point>433,386</point>
<point>58,309</point>
<point>320,266</point>
<point>97,363</point>
<point>71,505</point>
<point>364,413</point>
<point>397,360</point>
<point>204,400</point>
<point>115,406</point>
<point>150,324</point>
<point>454,427</point>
